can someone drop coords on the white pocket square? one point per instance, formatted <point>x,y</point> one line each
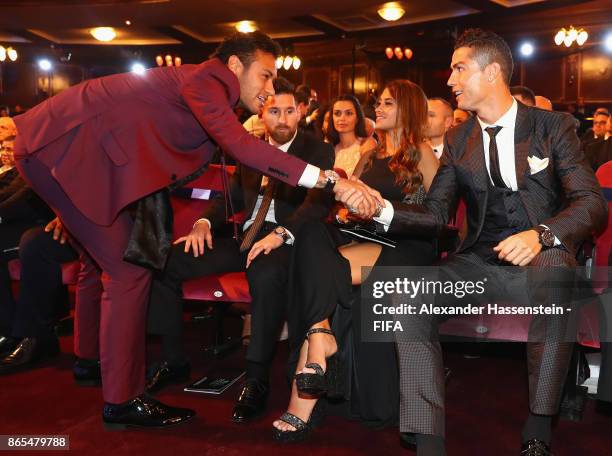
<point>537,164</point>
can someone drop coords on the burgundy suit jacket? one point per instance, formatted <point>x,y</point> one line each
<point>113,140</point>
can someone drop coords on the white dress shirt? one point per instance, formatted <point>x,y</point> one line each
<point>505,145</point>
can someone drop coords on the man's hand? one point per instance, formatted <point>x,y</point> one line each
<point>519,249</point>
<point>59,233</point>
<point>360,199</point>
<point>195,239</point>
<point>265,245</point>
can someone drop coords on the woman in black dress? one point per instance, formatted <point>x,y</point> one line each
<point>327,264</point>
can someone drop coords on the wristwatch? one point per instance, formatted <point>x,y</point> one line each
<point>545,236</point>
<point>281,232</point>
<point>331,177</point>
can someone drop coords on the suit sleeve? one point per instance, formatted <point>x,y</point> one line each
<point>20,205</point>
<point>432,216</point>
<point>586,211</point>
<point>318,202</point>
<point>207,97</point>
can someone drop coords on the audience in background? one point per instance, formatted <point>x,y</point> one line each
<point>460,116</point>
<point>347,133</point>
<point>523,94</point>
<point>599,151</point>
<point>543,103</point>
<point>439,120</point>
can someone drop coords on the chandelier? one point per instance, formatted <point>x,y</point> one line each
<point>571,35</point>
<point>8,52</point>
<point>168,60</point>
<point>287,62</point>
<point>398,53</point>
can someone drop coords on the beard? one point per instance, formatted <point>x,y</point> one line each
<point>282,135</point>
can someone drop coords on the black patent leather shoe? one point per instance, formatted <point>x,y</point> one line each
<point>251,402</point>
<point>143,411</point>
<point>7,345</point>
<point>408,440</point>
<point>165,375</point>
<point>28,353</point>
<point>535,447</point>
<point>87,372</point>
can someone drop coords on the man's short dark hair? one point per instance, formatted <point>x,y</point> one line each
<point>244,45</point>
<point>524,92</point>
<point>488,47</point>
<point>283,87</point>
<point>444,102</point>
<point>302,95</point>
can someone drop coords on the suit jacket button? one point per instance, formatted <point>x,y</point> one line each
<point>173,177</point>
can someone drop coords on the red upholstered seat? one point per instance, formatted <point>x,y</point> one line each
<point>603,242</point>
<point>231,287</point>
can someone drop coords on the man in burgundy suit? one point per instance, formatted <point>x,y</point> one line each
<point>97,147</point>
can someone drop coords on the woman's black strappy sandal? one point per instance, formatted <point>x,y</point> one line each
<point>320,382</point>
<point>302,428</point>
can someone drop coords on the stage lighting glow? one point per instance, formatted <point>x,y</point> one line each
<point>246,26</point>
<point>608,42</point>
<point>138,68</point>
<point>44,64</point>
<point>104,34</point>
<point>527,49</point>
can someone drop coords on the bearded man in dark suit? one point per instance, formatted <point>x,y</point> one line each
<point>96,148</point>
<point>531,200</point>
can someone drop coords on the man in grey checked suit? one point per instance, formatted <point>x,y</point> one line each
<point>531,200</point>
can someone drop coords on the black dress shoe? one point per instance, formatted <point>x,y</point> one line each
<point>7,345</point>
<point>29,352</point>
<point>165,375</point>
<point>87,372</point>
<point>535,447</point>
<point>408,440</point>
<point>143,411</point>
<point>251,402</point>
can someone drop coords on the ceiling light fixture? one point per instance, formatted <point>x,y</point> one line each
<point>44,64</point>
<point>246,26</point>
<point>138,68</point>
<point>571,35</point>
<point>104,34</point>
<point>527,49</point>
<point>391,11</point>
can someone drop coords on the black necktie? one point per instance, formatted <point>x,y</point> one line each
<point>253,230</point>
<point>494,158</point>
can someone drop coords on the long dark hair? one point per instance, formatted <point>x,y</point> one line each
<point>412,120</point>
<point>360,127</point>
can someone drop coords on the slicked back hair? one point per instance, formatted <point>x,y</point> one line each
<point>488,47</point>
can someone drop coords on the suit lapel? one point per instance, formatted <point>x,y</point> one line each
<point>522,144</point>
<point>475,160</point>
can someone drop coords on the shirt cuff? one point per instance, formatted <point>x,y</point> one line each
<point>202,220</point>
<point>557,241</point>
<point>310,176</point>
<point>291,239</point>
<point>386,215</point>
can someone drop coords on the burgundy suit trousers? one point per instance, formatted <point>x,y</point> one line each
<point>123,306</point>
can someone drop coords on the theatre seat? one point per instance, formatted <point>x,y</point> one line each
<point>187,208</point>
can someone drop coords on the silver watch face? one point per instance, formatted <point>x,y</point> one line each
<point>547,239</point>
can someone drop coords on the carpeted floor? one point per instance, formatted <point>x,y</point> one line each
<point>486,406</point>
